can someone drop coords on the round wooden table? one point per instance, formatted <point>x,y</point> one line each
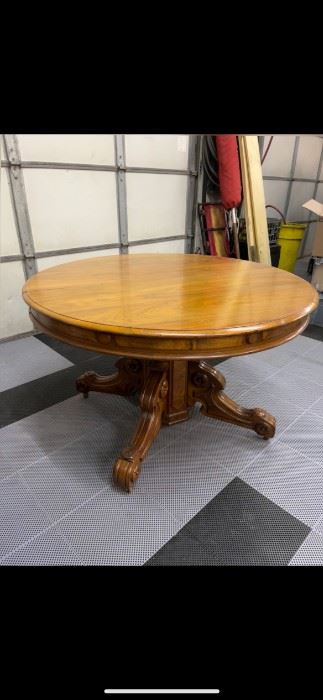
<point>163,313</point>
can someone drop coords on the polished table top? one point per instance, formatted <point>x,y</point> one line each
<point>176,304</point>
<point>164,313</point>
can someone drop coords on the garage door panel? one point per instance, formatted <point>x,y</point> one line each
<point>14,317</point>
<point>157,151</point>
<point>279,157</point>
<point>275,194</point>
<point>301,192</point>
<point>69,209</point>
<point>308,157</point>
<point>93,149</point>
<point>156,205</point>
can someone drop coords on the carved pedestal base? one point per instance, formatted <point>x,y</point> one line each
<point>168,390</point>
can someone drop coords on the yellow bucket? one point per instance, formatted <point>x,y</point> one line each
<point>289,239</point>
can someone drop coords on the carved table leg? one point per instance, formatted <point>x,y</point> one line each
<point>168,391</point>
<point>126,381</point>
<point>152,403</point>
<point>206,385</point>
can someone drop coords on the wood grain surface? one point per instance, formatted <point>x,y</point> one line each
<point>175,305</point>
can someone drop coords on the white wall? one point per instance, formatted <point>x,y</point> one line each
<point>73,208</point>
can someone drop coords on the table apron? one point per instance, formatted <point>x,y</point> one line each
<point>168,348</point>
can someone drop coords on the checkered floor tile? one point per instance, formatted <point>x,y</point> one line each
<point>210,493</point>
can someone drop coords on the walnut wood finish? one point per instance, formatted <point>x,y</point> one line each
<point>168,392</point>
<point>164,313</point>
<point>170,306</point>
<point>152,404</point>
<point>206,385</point>
<point>126,381</point>
<point>176,407</point>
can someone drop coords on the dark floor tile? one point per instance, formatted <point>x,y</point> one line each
<point>243,528</point>
<point>315,332</point>
<point>28,398</point>
<point>182,550</point>
<point>217,361</point>
<point>71,352</point>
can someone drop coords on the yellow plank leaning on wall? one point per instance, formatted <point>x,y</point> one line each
<point>248,212</point>
<point>254,200</point>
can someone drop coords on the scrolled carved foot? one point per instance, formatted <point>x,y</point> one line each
<point>84,383</point>
<point>126,472</point>
<point>125,381</point>
<point>264,423</point>
<point>206,385</point>
<point>152,404</point>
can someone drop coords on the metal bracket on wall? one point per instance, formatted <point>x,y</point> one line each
<point>317,181</point>
<point>291,176</point>
<point>191,196</point>
<point>19,200</point>
<point>120,156</point>
<point>261,142</point>
<point>52,165</point>
<point>310,218</point>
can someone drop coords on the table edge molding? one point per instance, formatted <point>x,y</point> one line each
<point>179,347</point>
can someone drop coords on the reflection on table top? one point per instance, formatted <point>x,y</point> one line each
<point>157,294</point>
